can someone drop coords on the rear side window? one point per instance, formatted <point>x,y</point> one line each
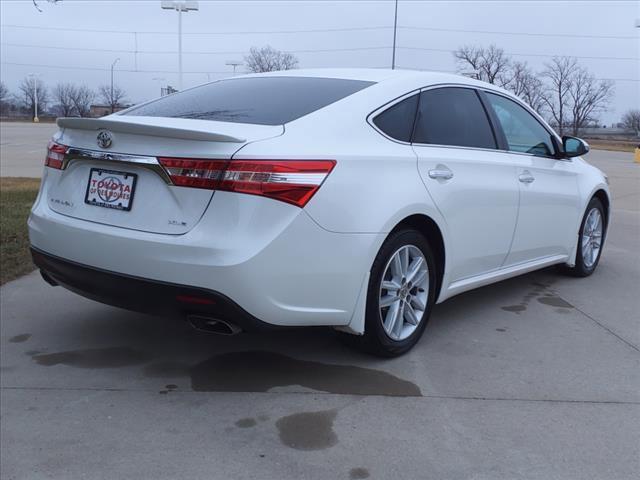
<point>524,133</point>
<point>258,100</point>
<point>453,116</point>
<point>397,120</point>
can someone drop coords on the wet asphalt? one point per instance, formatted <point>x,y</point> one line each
<point>537,377</point>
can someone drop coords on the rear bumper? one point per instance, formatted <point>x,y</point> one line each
<point>270,258</point>
<point>142,295</point>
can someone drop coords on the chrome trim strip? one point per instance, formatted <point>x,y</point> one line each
<point>484,88</point>
<point>150,163</point>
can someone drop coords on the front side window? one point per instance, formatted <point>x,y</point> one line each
<point>453,116</point>
<point>524,133</point>
<point>397,120</point>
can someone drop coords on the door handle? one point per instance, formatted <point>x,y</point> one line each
<point>441,173</point>
<point>526,177</point>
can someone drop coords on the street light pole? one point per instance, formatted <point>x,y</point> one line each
<point>395,30</point>
<point>180,49</point>
<point>179,6</point>
<point>111,97</point>
<point>35,97</point>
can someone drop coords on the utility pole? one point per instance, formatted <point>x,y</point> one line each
<point>179,6</point>
<point>234,64</point>
<point>111,98</point>
<point>395,30</point>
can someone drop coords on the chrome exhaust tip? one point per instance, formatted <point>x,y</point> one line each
<point>213,325</point>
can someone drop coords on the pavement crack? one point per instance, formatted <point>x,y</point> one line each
<point>604,327</point>
<point>348,404</point>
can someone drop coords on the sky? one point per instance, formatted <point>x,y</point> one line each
<point>77,41</point>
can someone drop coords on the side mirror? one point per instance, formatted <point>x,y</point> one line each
<point>574,147</point>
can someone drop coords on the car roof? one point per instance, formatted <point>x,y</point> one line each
<point>383,75</point>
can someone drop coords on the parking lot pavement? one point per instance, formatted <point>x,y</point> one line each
<point>22,148</point>
<point>537,377</point>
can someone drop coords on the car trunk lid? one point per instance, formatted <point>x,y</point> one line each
<point>111,175</point>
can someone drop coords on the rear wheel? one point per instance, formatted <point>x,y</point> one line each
<point>400,295</point>
<point>590,239</point>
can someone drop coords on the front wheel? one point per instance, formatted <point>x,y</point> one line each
<point>590,240</point>
<point>400,295</point>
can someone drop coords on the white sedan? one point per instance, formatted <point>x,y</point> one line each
<point>353,198</point>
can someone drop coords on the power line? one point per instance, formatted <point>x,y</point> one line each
<point>169,52</point>
<point>68,67</point>
<point>529,54</point>
<point>329,30</point>
<point>529,34</point>
<point>101,69</point>
<point>247,32</point>
<point>311,50</point>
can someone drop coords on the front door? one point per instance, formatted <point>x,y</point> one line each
<point>548,216</point>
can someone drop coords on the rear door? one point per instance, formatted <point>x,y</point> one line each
<point>471,183</point>
<point>549,206</point>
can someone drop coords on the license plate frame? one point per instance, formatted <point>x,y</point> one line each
<point>121,187</point>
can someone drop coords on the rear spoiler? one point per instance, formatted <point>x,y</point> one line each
<point>135,128</point>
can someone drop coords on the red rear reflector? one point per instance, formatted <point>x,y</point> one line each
<point>291,181</point>
<point>195,300</point>
<point>55,155</point>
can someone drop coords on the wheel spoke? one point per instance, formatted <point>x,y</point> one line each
<point>396,266</point>
<point>387,300</point>
<point>419,278</point>
<point>414,268</point>
<point>598,221</point>
<point>397,328</point>
<point>404,257</point>
<point>391,317</point>
<point>410,314</point>
<point>418,303</point>
<point>390,286</point>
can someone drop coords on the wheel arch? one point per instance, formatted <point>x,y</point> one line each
<point>430,229</point>
<point>601,195</point>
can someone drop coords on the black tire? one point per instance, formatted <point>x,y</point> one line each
<point>580,269</point>
<point>375,339</point>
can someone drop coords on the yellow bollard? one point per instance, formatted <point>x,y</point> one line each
<point>637,157</point>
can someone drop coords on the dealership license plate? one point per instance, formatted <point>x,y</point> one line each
<point>111,189</point>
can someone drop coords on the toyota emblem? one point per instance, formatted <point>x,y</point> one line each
<point>105,139</point>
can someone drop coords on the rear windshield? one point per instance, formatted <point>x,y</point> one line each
<point>259,100</point>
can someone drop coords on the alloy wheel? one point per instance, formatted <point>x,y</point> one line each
<point>404,292</point>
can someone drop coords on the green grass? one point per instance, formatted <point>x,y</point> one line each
<point>16,197</point>
<point>613,145</point>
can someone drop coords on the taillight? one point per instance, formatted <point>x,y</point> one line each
<point>55,155</point>
<point>291,181</point>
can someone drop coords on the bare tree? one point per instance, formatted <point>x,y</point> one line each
<point>631,120</point>
<point>489,64</point>
<point>114,97</point>
<point>588,98</point>
<point>4,97</point>
<point>524,83</point>
<point>27,87</point>
<point>82,97</point>
<point>36,3</point>
<point>4,92</point>
<point>63,95</point>
<point>268,59</point>
<point>560,74</point>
